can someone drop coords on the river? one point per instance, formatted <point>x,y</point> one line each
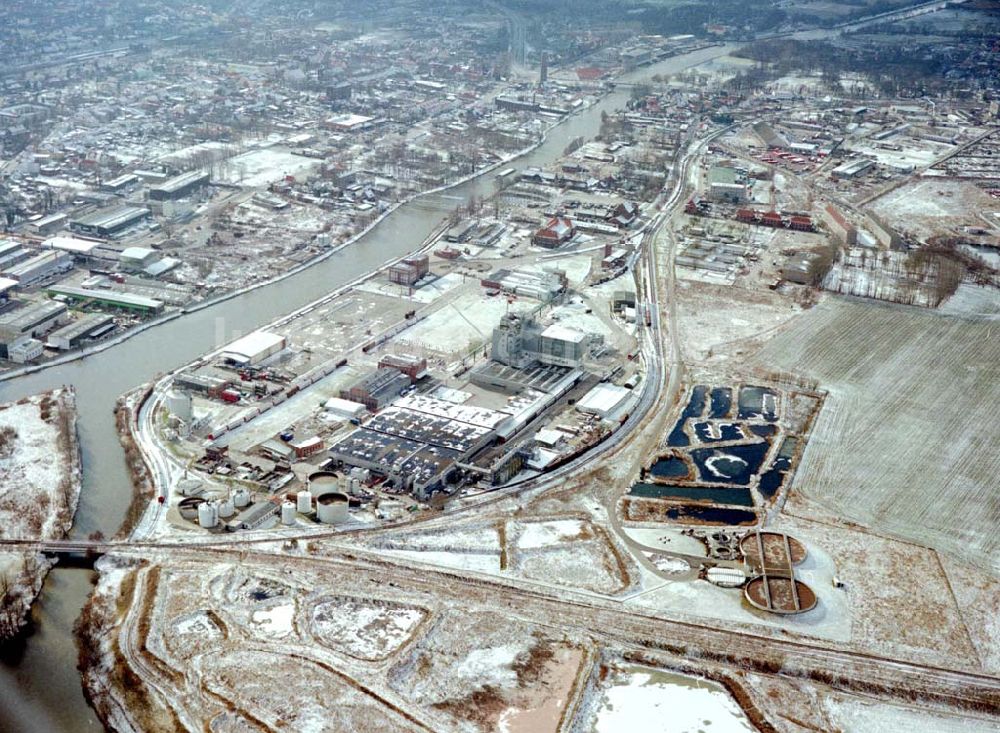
<point>40,689</point>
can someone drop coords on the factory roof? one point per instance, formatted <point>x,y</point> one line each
<point>178,182</point>
<point>71,244</point>
<point>559,332</point>
<point>107,296</point>
<point>6,284</point>
<point>30,315</point>
<point>252,345</point>
<point>83,325</point>
<point>112,217</point>
<point>603,399</point>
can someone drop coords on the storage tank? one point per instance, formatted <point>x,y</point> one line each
<point>304,501</point>
<point>354,486</point>
<point>226,509</point>
<point>332,507</point>
<point>321,482</point>
<point>179,404</point>
<point>241,498</point>
<point>208,515</point>
<point>288,513</point>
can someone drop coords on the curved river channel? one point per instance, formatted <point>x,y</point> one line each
<point>39,685</point>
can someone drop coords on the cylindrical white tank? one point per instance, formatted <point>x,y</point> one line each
<point>241,498</point>
<point>304,501</point>
<point>208,515</point>
<point>332,507</point>
<point>179,405</point>
<point>288,512</point>
<point>226,509</point>
<point>354,486</point>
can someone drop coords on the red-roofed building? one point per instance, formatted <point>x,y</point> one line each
<point>771,219</point>
<point>748,216</point>
<point>556,233</point>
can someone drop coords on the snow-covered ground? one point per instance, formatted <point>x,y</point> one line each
<point>39,484</point>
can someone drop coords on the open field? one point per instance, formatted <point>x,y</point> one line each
<point>902,443</point>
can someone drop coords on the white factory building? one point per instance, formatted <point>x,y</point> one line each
<point>253,348</point>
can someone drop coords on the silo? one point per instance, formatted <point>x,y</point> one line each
<point>179,405</point>
<point>354,486</point>
<point>226,509</point>
<point>241,498</point>
<point>303,501</point>
<point>332,507</point>
<point>208,515</point>
<point>288,512</point>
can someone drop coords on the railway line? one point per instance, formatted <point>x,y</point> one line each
<point>608,622</point>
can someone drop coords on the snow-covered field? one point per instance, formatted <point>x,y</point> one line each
<point>261,167</point>
<point>905,442</point>
<point>39,488</point>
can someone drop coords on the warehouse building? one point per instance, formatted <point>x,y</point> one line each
<point>109,222</point>
<point>254,348</point>
<point>28,322</point>
<point>88,327</point>
<point>41,267</point>
<point>81,249</point>
<point>136,259</point>
<point>12,253</point>
<point>179,186</point>
<point>49,224</point>
<point>727,184</point>
<point>607,401</point>
<point>376,389</point>
<point>408,271</point>
<point>107,298</point>
<point>121,184</point>
<point>853,169</point>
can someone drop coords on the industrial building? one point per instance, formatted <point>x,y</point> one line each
<point>254,348</point>
<point>11,253</point>
<point>555,233</point>
<point>109,222</point>
<point>727,184</point>
<point>853,169</point>
<point>417,442</point>
<point>121,184</point>
<point>520,341</point>
<point>544,285</point>
<point>41,267</point>
<point>607,401</point>
<point>32,320</point>
<point>136,259</point>
<point>108,298</point>
<point>411,366</point>
<point>376,389</point>
<point>88,327</point>
<point>841,229</point>
<point>408,271</point>
<point>81,249</point>
<point>179,186</point>
<point>49,224</point>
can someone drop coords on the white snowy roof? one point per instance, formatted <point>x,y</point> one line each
<point>603,399</point>
<point>254,344</point>
<point>560,332</point>
<point>70,244</point>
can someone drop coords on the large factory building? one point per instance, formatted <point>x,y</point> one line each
<point>109,222</point>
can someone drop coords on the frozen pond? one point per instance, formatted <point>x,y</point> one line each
<point>647,700</point>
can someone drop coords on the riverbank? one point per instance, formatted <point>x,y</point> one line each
<point>40,481</point>
<point>308,264</point>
